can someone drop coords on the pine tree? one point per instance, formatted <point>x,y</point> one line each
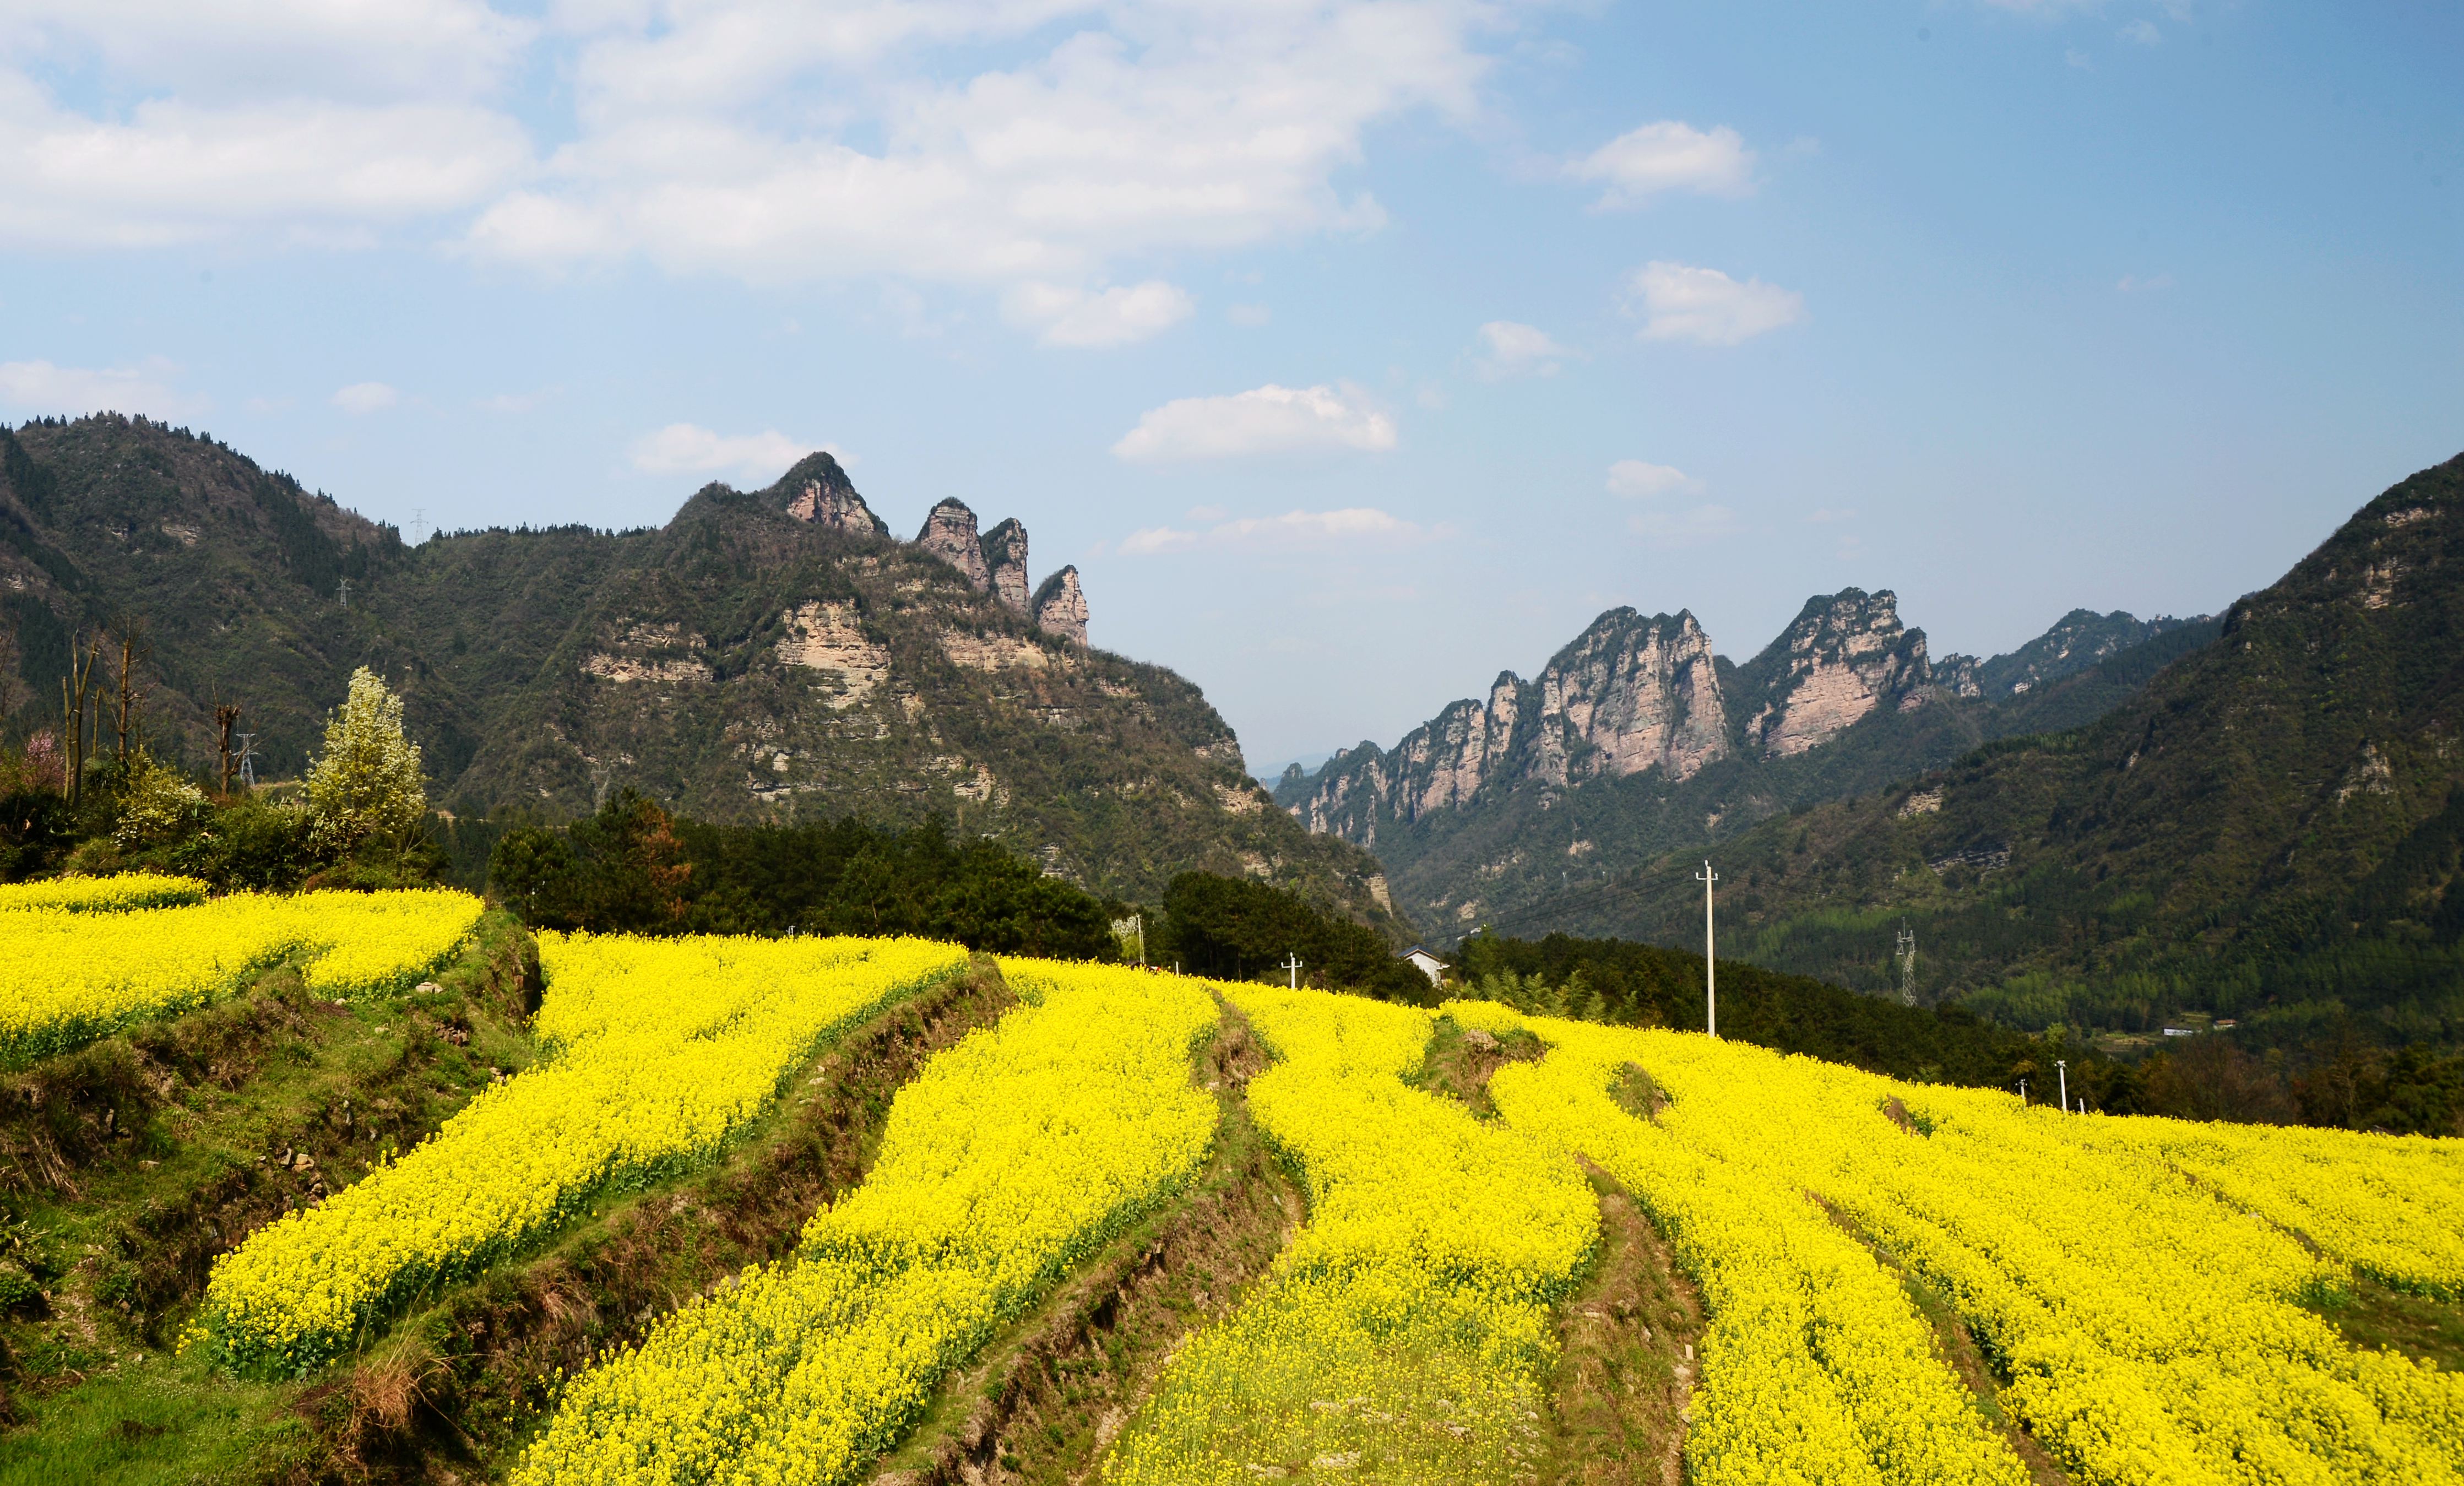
<point>368,781</point>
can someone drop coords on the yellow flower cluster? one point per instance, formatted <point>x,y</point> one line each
<point>660,1049</point>
<point>2390,1206</point>
<point>2148,1315</point>
<point>381,941</point>
<point>1012,1156</point>
<point>103,895</point>
<point>69,976</point>
<point>1405,1335</point>
<point>1816,1367</point>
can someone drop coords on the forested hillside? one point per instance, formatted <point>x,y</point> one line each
<point>2271,831</point>
<point>771,655</point>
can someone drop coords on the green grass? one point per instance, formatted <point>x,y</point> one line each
<point>2370,1315</point>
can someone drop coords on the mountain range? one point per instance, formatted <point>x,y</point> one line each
<point>766,654</point>
<point>1637,739</point>
<point>2270,829</point>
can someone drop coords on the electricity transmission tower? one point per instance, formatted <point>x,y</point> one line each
<point>418,524</point>
<point>1907,964</point>
<point>347,593</point>
<point>247,760</point>
<point>1711,964</point>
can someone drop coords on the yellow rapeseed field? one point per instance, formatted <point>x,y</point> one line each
<point>1010,1158</point>
<point>103,895</point>
<point>1405,1335</point>
<point>70,975</point>
<point>2131,1275</point>
<point>659,1051</point>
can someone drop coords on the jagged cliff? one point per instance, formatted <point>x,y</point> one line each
<point>1636,739</point>
<point>1631,694</point>
<point>772,653</point>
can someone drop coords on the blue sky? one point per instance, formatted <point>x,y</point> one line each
<point>1353,352</point>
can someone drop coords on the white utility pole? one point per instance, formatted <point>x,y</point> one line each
<point>1293,964</point>
<point>1710,973</point>
<point>2023,1090</point>
<point>2063,1072</point>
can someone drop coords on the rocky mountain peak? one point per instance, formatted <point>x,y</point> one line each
<point>1632,694</point>
<point>1060,605</point>
<point>1845,654</point>
<point>950,533</point>
<point>1004,550</point>
<point>817,489</point>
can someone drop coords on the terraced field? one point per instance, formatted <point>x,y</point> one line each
<point>380,1187</point>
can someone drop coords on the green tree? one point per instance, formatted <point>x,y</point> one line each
<point>156,801</point>
<point>367,784</point>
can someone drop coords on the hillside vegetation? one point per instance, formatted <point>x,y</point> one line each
<point>2269,832</point>
<point>771,655</point>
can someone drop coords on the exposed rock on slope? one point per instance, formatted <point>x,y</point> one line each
<point>1061,607</point>
<point>823,494</point>
<point>768,654</point>
<point>1005,564</point>
<point>1630,694</point>
<point>1843,657</point>
<point>950,533</point>
<point>1636,739</point>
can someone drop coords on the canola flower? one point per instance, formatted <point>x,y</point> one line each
<point>2149,1324</point>
<point>1405,1334</point>
<point>67,976</point>
<point>1815,1365</point>
<point>103,895</point>
<point>659,1051</point>
<point>2392,1206</point>
<point>1011,1157</point>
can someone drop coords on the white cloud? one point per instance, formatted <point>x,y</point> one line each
<point>39,386</point>
<point>1667,156</point>
<point>1637,481</point>
<point>690,449</point>
<point>247,49</point>
<point>1248,315</point>
<point>302,170</point>
<point>765,140</point>
<point>1511,349</point>
<point>517,402</point>
<point>2143,31</point>
<point>1684,529</point>
<point>1266,420</point>
<point>1099,321</point>
<point>365,397</point>
<point>1159,126</point>
<point>1352,527</point>
<point>1682,303</point>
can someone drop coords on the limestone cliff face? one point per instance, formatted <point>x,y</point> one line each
<point>950,533</point>
<point>1630,695</point>
<point>1059,607</point>
<point>1004,550</point>
<point>818,490</point>
<point>1844,656</point>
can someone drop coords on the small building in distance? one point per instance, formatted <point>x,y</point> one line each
<point>1425,963</point>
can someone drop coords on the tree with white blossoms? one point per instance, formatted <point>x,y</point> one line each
<point>368,781</point>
